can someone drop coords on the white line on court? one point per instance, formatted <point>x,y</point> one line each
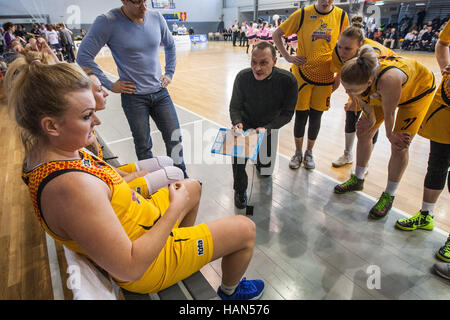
<point>153,132</point>
<point>317,171</point>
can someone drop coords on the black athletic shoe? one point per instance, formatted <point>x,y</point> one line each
<point>240,200</point>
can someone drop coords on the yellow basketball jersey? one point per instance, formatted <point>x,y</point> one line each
<point>136,214</point>
<point>317,35</point>
<point>445,33</point>
<point>337,63</point>
<point>420,81</point>
<point>436,124</point>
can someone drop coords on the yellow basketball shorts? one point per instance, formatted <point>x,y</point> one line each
<point>129,167</point>
<point>436,124</point>
<point>310,95</point>
<point>139,184</point>
<point>186,251</point>
<point>409,117</point>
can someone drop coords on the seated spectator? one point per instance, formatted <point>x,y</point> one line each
<point>146,245</point>
<point>426,42</point>
<point>421,32</point>
<point>391,38</point>
<point>410,40</point>
<point>434,40</point>
<point>377,36</point>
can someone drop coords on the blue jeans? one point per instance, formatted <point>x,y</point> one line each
<point>159,106</point>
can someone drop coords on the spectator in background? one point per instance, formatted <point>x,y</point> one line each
<point>243,41</point>
<point>2,41</point>
<point>377,36</point>
<point>34,32</point>
<point>410,40</point>
<point>9,34</point>
<point>66,42</point>
<point>404,29</point>
<point>20,32</point>
<point>182,30</point>
<point>174,29</point>
<point>43,31</point>
<point>235,32</point>
<point>426,41</point>
<point>421,32</point>
<point>391,38</point>
<point>191,31</point>
<point>434,40</point>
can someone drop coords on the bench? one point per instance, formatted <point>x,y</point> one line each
<point>88,282</point>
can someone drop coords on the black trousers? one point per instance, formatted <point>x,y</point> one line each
<point>243,40</point>
<point>235,36</point>
<point>264,161</point>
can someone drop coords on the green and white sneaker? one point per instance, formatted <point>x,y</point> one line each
<point>421,220</point>
<point>444,252</point>
<point>352,184</point>
<point>382,207</point>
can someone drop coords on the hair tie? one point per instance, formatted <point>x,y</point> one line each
<point>359,61</point>
<point>35,61</point>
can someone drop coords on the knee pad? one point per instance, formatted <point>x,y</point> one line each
<point>154,164</point>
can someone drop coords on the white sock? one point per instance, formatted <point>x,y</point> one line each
<point>391,188</point>
<point>360,172</point>
<point>349,141</point>
<point>228,290</point>
<point>428,206</point>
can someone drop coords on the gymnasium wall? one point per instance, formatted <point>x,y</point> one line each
<point>203,15</point>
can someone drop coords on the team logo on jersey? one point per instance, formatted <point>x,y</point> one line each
<point>87,163</point>
<point>323,33</point>
<point>134,197</point>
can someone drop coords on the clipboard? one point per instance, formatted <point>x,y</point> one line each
<point>245,146</point>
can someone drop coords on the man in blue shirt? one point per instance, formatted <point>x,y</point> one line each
<point>134,35</point>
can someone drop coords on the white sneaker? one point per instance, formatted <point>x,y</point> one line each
<point>308,160</point>
<point>346,158</point>
<point>296,161</point>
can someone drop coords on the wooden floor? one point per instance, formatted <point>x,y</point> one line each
<point>203,84</point>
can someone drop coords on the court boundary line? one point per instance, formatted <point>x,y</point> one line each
<point>401,212</point>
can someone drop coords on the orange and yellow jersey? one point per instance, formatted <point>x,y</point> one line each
<point>317,35</point>
<point>420,81</point>
<point>337,63</point>
<point>135,213</point>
